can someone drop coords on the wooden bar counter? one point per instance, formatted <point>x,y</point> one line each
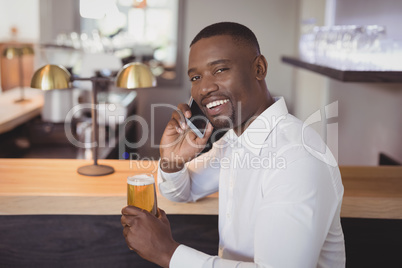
<point>53,186</point>
<point>16,113</point>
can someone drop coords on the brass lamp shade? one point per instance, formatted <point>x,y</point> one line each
<point>51,77</point>
<point>14,52</point>
<point>11,52</point>
<point>27,50</point>
<point>135,75</point>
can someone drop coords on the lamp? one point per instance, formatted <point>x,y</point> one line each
<point>131,76</point>
<point>19,52</point>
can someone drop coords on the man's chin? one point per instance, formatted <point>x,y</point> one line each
<point>219,124</point>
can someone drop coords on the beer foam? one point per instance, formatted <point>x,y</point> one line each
<point>140,180</point>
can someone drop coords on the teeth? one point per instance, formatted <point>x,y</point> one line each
<point>216,103</point>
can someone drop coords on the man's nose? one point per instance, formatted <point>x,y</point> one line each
<point>207,86</point>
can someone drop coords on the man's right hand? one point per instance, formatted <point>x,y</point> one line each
<point>179,144</point>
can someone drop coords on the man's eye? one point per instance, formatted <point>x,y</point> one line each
<point>194,78</point>
<point>221,70</point>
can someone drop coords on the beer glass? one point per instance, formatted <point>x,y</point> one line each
<point>141,192</point>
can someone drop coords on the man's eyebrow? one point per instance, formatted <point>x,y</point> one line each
<point>216,62</point>
<point>190,71</point>
<point>212,63</point>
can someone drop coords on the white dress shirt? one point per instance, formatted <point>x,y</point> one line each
<point>280,195</point>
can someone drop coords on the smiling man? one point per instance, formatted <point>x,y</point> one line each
<point>227,74</point>
<point>279,203</point>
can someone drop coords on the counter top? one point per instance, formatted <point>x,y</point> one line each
<point>13,114</point>
<point>53,186</point>
<point>372,192</point>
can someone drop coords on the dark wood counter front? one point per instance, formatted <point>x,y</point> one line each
<point>40,200</point>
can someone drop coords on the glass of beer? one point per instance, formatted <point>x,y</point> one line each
<point>141,192</point>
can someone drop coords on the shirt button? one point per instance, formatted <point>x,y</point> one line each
<point>228,215</point>
<point>231,184</point>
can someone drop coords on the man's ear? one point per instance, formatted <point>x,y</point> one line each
<point>261,67</point>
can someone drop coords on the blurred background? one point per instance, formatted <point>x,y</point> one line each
<point>360,121</point>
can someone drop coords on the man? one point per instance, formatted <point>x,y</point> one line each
<point>279,199</point>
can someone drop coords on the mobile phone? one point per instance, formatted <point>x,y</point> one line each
<point>198,121</point>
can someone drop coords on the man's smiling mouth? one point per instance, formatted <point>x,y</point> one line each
<point>214,104</point>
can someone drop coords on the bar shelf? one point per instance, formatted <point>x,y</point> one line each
<point>347,76</point>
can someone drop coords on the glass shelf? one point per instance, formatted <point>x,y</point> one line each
<point>347,76</point>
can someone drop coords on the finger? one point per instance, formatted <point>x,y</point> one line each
<point>128,220</point>
<point>183,112</point>
<point>122,210</point>
<point>208,132</point>
<point>178,120</point>
<point>125,234</point>
<point>190,134</point>
<point>185,109</point>
<point>161,213</point>
<point>173,125</point>
<point>162,216</point>
<point>132,211</point>
<point>126,230</point>
<point>202,141</point>
<point>124,221</point>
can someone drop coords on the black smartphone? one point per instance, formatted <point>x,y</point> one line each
<point>198,121</point>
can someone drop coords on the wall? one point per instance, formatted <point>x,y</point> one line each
<point>24,16</point>
<point>58,16</point>
<point>369,114</point>
<point>310,88</point>
<point>387,12</point>
<point>21,14</point>
<point>274,23</point>
<point>369,121</point>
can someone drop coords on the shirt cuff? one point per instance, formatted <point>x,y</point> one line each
<point>185,257</point>
<point>164,176</point>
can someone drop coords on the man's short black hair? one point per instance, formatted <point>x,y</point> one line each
<point>238,32</point>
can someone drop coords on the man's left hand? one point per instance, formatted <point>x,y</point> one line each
<point>148,235</point>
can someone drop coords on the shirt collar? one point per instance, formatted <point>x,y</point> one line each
<point>257,132</point>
